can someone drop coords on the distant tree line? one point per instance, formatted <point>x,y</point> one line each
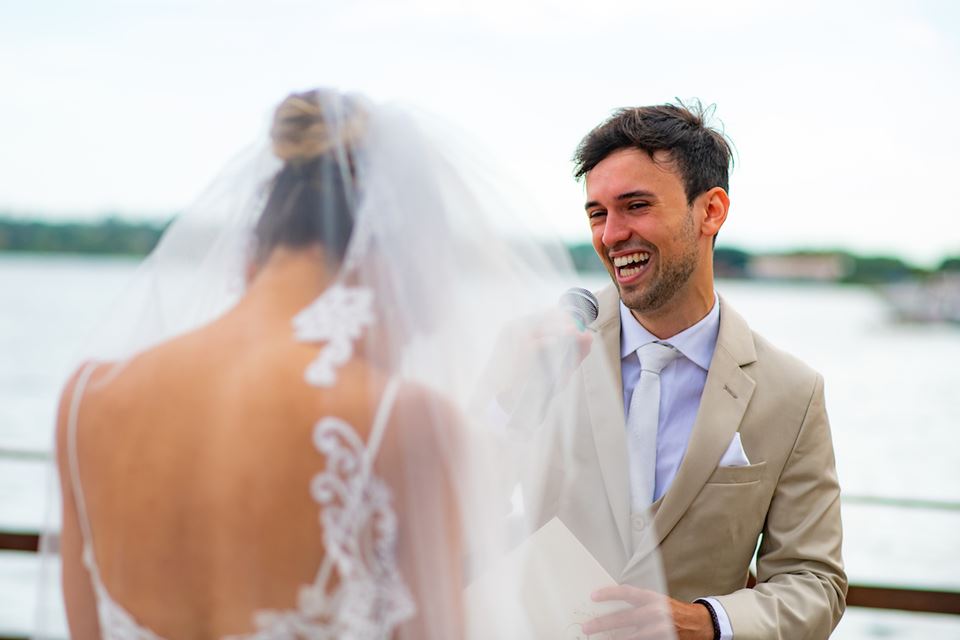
<point>110,236</point>
<point>731,262</point>
<point>736,263</point>
<point>118,236</point>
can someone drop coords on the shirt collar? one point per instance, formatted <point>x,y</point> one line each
<point>696,343</point>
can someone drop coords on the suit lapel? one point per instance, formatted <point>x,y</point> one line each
<point>726,394</point>
<point>603,387</point>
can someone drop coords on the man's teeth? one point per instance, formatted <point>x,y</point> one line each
<point>622,261</point>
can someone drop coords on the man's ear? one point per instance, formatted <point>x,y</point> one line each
<point>716,203</point>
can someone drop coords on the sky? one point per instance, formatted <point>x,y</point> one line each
<point>844,115</point>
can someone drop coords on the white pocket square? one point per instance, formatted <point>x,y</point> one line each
<point>735,456</point>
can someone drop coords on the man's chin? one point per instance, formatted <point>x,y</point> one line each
<point>632,299</point>
<point>642,300</point>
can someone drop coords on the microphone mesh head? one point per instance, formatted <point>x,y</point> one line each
<point>581,304</point>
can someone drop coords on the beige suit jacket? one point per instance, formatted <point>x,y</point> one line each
<point>708,524</point>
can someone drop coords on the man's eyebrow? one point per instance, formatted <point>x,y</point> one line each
<point>635,194</point>
<point>624,196</point>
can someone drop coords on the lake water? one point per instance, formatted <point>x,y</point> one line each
<point>893,394</point>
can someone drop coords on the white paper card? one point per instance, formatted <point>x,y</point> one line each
<point>541,589</point>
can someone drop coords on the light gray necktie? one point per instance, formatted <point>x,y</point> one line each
<point>642,420</point>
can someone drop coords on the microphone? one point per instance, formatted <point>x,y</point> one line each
<point>557,364</point>
<point>581,304</point>
<point>531,396</point>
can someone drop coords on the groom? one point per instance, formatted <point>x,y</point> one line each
<point>738,449</point>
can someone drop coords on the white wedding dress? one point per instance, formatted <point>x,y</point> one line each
<point>359,524</point>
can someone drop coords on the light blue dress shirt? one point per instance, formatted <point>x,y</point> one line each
<point>681,385</point>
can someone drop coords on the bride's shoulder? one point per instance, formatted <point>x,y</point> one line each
<point>104,388</point>
<point>100,381</point>
<point>85,379</point>
<point>84,383</point>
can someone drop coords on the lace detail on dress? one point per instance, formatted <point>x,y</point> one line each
<point>358,593</point>
<point>336,317</point>
<point>360,535</point>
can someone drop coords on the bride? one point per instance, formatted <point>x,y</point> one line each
<point>272,437</point>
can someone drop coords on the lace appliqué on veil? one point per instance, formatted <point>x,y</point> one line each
<point>336,317</point>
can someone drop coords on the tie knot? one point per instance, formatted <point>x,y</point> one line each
<point>654,356</point>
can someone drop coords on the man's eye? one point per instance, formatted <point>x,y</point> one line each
<point>597,214</point>
<point>638,205</point>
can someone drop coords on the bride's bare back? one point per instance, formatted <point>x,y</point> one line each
<point>196,460</point>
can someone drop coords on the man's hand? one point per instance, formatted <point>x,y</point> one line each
<point>650,616</point>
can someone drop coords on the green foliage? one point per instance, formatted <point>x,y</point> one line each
<point>117,236</point>
<point>880,269</point>
<point>110,236</point>
<point>729,262</point>
<point>585,258</point>
<point>950,264</point>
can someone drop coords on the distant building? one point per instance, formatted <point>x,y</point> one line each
<point>936,300</point>
<point>822,267</point>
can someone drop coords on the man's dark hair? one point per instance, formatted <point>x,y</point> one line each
<point>702,155</point>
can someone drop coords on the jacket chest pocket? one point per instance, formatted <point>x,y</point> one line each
<point>723,524</point>
<point>733,502</point>
<point>732,507</point>
<point>737,475</point>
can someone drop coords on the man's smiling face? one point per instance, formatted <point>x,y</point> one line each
<point>644,232</point>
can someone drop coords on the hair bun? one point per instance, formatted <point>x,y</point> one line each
<point>307,125</point>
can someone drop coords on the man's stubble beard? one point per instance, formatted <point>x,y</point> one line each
<point>670,278</point>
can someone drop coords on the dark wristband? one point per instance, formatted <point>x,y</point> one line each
<point>713,618</point>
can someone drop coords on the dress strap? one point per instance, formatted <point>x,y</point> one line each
<point>342,524</point>
<point>74,462</point>
<point>383,417</point>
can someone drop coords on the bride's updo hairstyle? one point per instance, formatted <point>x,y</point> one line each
<point>312,199</point>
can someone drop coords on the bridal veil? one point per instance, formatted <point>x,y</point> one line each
<point>433,262</point>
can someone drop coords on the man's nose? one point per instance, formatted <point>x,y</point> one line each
<point>615,229</point>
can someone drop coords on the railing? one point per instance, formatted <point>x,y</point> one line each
<point>858,595</point>
<point>897,598</point>
<point>868,596</point>
<point>10,541</point>
<point>919,600</point>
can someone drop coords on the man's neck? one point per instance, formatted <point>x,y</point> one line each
<point>678,314</point>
